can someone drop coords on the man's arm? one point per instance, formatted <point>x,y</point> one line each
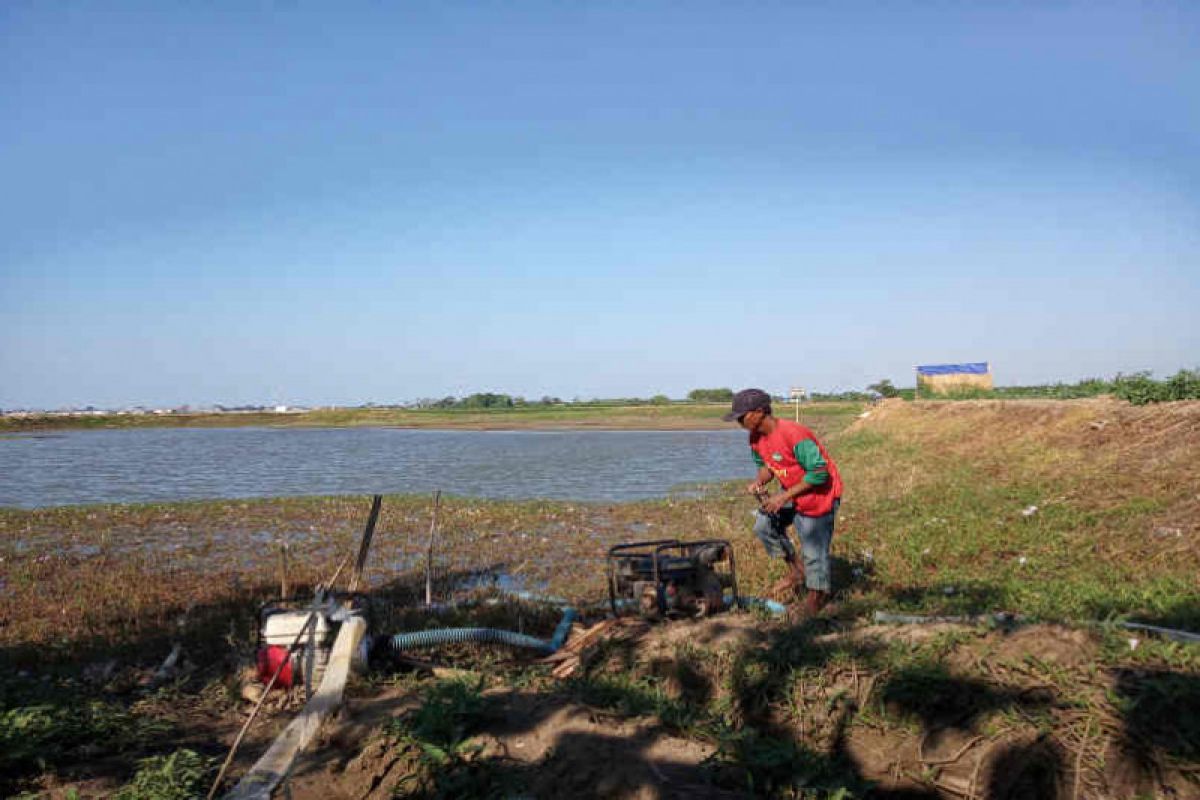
<point>762,477</point>
<point>808,456</point>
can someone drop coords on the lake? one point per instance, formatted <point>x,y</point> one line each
<point>165,464</point>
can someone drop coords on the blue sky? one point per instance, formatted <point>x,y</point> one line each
<point>337,204</point>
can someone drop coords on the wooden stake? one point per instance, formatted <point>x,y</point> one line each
<point>437,502</point>
<point>365,544</point>
<point>285,589</point>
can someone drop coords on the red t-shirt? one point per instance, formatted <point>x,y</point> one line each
<point>777,451</point>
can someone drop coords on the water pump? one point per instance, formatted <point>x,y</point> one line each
<point>670,578</point>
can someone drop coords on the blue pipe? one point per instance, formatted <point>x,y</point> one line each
<point>563,630</point>
<point>770,606</point>
<point>410,641</point>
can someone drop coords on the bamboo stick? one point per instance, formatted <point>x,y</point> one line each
<point>285,589</point>
<point>437,502</point>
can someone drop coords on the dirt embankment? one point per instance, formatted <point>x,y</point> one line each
<point>1100,455</point>
<point>1153,439</point>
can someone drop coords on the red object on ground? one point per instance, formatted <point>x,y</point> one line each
<point>269,659</point>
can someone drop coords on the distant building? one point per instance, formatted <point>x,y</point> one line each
<point>946,378</point>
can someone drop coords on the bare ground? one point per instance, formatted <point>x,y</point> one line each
<point>990,725</point>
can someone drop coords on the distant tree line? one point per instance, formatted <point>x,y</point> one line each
<point>498,400</point>
<point>1138,388</point>
<point>485,400</point>
<point>710,395</point>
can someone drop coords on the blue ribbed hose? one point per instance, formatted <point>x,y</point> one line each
<point>418,639</point>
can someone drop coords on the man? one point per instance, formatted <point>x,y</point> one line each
<point>811,491</point>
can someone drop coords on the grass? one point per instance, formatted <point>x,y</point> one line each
<point>1045,518</point>
<point>182,775</point>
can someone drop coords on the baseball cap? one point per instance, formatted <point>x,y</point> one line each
<point>746,401</point>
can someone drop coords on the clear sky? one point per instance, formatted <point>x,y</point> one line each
<point>340,203</point>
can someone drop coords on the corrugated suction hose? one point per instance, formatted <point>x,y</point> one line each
<point>418,639</point>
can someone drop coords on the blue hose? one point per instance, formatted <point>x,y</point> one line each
<point>770,606</point>
<point>563,630</point>
<point>411,641</point>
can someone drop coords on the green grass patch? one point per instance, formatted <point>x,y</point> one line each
<point>181,775</point>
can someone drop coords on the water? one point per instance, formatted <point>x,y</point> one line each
<point>164,464</point>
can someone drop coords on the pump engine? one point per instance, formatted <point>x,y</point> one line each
<point>670,578</point>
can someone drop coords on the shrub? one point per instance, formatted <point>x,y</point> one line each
<point>38,736</point>
<point>710,395</point>
<point>1140,389</point>
<point>182,775</point>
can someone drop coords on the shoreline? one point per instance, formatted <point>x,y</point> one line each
<point>700,416</point>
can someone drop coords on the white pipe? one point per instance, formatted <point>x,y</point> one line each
<point>270,770</point>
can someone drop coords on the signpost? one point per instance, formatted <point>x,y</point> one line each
<point>796,394</point>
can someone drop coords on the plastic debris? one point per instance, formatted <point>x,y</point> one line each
<point>1029,511</point>
<point>1167,533</point>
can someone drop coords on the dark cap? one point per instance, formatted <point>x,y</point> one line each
<point>746,401</point>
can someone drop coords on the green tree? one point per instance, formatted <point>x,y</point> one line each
<point>710,395</point>
<point>884,388</point>
<point>487,400</point>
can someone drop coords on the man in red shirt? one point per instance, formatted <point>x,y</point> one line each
<point>811,491</point>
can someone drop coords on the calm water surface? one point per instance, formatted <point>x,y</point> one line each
<point>132,466</point>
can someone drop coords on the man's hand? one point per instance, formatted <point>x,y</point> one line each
<point>755,488</point>
<point>775,502</point>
